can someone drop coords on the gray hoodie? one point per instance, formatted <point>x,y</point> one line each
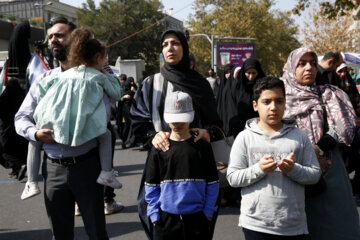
<point>272,203</point>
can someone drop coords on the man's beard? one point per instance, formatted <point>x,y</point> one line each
<point>61,53</point>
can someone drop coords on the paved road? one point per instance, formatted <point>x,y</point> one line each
<point>27,220</point>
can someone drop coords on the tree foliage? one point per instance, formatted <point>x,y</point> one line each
<point>323,34</point>
<point>328,9</point>
<point>274,31</point>
<point>117,19</point>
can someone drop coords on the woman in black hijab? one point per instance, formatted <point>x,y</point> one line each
<point>19,53</point>
<point>13,147</point>
<point>148,107</point>
<point>235,105</point>
<point>225,103</point>
<point>124,122</point>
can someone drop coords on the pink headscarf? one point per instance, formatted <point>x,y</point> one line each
<point>304,104</point>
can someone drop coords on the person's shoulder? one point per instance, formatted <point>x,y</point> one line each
<point>201,144</point>
<point>154,151</point>
<point>244,136</point>
<point>299,132</point>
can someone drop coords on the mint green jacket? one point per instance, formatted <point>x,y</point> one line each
<point>71,103</point>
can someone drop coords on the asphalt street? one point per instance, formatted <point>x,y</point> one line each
<point>27,219</point>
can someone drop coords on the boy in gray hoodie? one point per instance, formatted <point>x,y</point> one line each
<point>272,160</point>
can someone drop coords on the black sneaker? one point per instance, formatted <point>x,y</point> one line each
<point>13,174</point>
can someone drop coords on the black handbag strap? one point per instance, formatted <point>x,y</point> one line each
<point>326,125</point>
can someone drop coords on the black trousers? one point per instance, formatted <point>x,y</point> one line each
<point>123,112</point>
<point>181,227</point>
<point>65,185</point>
<point>254,235</point>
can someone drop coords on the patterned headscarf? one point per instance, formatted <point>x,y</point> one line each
<point>304,104</point>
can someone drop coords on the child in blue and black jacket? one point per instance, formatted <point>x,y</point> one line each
<point>181,184</point>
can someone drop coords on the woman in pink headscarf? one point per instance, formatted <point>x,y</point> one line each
<point>326,115</point>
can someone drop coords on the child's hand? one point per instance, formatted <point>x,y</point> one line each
<point>267,164</point>
<point>154,223</point>
<point>287,163</point>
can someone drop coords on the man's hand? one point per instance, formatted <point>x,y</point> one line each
<point>161,141</point>
<point>287,163</point>
<point>127,96</point>
<point>104,71</point>
<point>201,134</point>
<point>267,164</point>
<point>44,135</point>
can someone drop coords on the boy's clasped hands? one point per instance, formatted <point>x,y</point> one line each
<point>268,164</point>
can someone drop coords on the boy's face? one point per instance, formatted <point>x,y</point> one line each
<point>180,127</point>
<point>271,107</point>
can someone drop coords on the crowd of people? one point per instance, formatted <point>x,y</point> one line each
<point>297,138</point>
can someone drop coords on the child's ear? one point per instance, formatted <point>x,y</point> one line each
<point>254,105</point>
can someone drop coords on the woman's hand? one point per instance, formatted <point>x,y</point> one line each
<point>161,141</point>
<point>320,157</point>
<point>201,134</point>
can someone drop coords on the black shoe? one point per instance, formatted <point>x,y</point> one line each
<point>13,174</point>
<point>22,172</point>
<point>123,146</point>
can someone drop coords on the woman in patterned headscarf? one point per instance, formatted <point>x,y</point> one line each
<point>325,113</point>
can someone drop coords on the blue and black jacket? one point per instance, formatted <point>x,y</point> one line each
<point>182,180</point>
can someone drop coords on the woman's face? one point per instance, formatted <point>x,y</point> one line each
<point>227,74</point>
<point>306,69</point>
<point>251,74</point>
<point>342,73</point>
<point>172,49</point>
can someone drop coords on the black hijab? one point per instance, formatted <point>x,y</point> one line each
<point>239,106</point>
<point>225,104</point>
<point>189,81</point>
<point>19,53</point>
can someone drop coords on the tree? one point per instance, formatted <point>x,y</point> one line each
<point>117,19</point>
<point>322,34</point>
<point>275,32</point>
<point>328,9</point>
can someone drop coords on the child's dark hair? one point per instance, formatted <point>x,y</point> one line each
<point>84,48</point>
<point>267,83</point>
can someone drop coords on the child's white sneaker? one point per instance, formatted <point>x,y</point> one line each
<point>108,178</point>
<point>31,189</point>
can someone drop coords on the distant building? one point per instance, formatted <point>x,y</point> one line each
<point>172,23</point>
<point>34,11</point>
<point>37,9</point>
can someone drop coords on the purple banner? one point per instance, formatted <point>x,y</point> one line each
<point>234,53</point>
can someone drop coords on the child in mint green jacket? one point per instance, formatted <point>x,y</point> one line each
<point>71,104</point>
